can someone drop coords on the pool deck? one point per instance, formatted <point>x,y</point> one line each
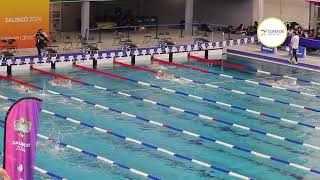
<point>137,38</point>
<point>311,62</point>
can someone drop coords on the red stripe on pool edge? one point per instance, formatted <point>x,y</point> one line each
<point>218,62</point>
<point>135,67</point>
<point>57,75</point>
<point>18,81</point>
<point>101,72</point>
<point>180,65</point>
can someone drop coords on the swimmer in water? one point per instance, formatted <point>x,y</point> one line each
<point>282,82</point>
<point>24,89</point>
<point>57,81</point>
<point>275,81</point>
<point>163,75</point>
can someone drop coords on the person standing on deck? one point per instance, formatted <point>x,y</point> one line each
<point>41,41</point>
<point>294,45</point>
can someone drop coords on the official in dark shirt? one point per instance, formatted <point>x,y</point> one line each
<point>41,41</point>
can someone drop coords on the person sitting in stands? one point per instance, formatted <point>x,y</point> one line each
<point>312,34</point>
<point>240,27</point>
<point>252,30</point>
<point>300,32</point>
<point>304,34</point>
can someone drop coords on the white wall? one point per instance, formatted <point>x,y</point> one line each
<point>287,10</point>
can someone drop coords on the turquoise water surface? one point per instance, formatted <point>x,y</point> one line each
<point>72,165</point>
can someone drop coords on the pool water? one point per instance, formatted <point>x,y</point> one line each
<point>72,165</point>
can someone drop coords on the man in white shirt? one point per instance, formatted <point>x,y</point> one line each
<point>294,45</point>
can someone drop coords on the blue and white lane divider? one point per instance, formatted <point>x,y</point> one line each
<point>192,134</point>
<point>285,76</point>
<point>103,159</point>
<point>50,174</point>
<point>251,69</point>
<point>113,163</point>
<point>253,82</point>
<point>227,89</point>
<point>197,98</point>
<point>148,145</point>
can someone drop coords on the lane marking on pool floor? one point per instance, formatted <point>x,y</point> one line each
<point>246,68</point>
<point>192,134</point>
<point>148,145</point>
<point>271,135</point>
<point>236,78</point>
<point>224,88</point>
<point>278,118</point>
<point>89,154</point>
